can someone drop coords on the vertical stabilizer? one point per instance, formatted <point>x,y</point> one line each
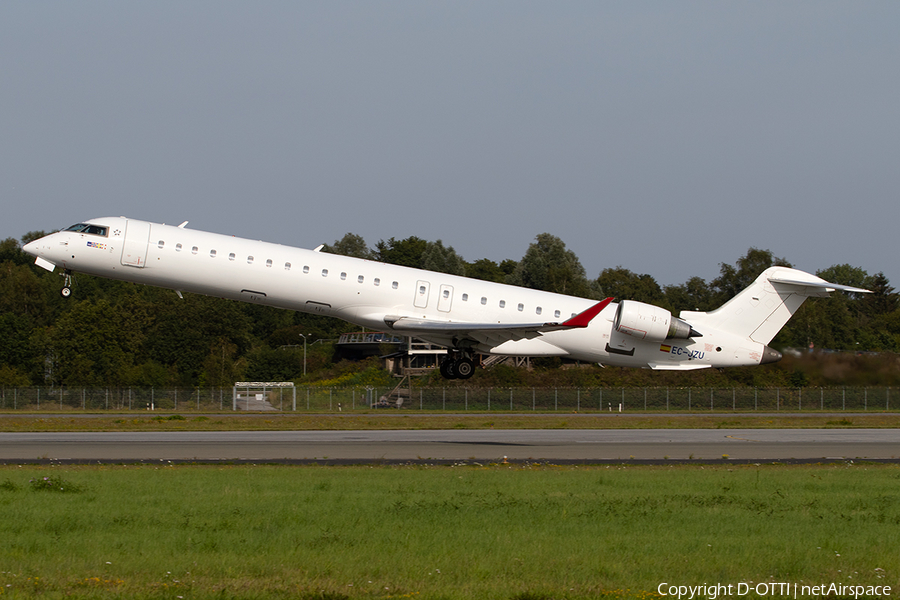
<point>761,310</point>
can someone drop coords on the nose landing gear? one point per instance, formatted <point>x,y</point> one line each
<point>66,292</point>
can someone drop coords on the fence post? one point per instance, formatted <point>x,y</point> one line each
<point>755,398</point>
<point>489,399</point>
<point>733,402</point>
<point>667,398</point>
<point>689,399</point>
<point>444,398</point>
<point>799,398</point>
<point>866,399</point>
<point>532,399</point>
<point>844,399</point>
<point>510,398</point>
<point>711,392</point>
<point>645,399</point>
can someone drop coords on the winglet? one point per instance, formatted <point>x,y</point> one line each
<point>583,318</point>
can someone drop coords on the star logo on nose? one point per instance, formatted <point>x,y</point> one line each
<point>117,232</point>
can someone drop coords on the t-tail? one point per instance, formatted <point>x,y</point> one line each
<point>760,311</point>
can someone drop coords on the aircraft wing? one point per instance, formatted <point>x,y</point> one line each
<point>491,334</point>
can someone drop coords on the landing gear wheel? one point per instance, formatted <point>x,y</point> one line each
<point>66,292</point>
<point>448,369</point>
<point>464,368</point>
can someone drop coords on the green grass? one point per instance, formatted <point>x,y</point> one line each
<point>495,532</point>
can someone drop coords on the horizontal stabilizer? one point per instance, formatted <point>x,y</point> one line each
<point>824,285</point>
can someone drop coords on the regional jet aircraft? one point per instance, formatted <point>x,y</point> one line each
<point>468,316</point>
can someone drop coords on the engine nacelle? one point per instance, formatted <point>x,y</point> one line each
<point>648,322</point>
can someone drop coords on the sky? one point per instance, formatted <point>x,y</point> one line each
<point>663,137</point>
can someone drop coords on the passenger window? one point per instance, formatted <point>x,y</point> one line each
<point>231,256</point>
<point>343,276</point>
<point>195,250</point>
<point>249,260</point>
<point>177,247</point>
<point>483,300</point>
<point>521,307</point>
<point>421,290</point>
<point>269,262</point>
<point>503,304</point>
<point>555,314</point>
<point>394,285</point>
<point>212,253</point>
<point>538,310</point>
<point>446,293</point>
<point>377,281</point>
<point>324,272</point>
<point>360,279</point>
<point>287,266</point>
<point>160,243</point>
<point>465,297</point>
<point>306,268</point>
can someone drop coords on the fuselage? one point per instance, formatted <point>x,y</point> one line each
<point>362,292</point>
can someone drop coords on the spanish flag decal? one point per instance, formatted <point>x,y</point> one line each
<point>665,348</point>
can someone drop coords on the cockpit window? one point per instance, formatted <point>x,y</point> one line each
<point>88,228</point>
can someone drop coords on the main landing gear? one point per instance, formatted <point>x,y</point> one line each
<point>457,365</point>
<point>66,292</point>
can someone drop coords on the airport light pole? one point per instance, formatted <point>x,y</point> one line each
<point>304,354</point>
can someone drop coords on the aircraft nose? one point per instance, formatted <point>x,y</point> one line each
<point>31,248</point>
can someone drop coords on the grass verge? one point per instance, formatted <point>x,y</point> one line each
<point>299,422</point>
<point>494,532</point>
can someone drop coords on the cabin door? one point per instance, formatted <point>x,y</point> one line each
<point>422,290</point>
<point>446,298</point>
<point>137,238</point>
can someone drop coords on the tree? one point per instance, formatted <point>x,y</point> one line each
<point>486,270</point>
<point>622,284</point>
<point>694,294</point>
<point>549,266</point>
<point>883,299</point>
<point>350,245</point>
<point>441,259</point>
<point>407,252</point>
<point>733,279</point>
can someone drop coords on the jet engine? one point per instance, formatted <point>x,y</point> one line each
<point>652,323</point>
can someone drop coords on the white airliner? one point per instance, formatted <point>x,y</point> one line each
<point>468,316</point>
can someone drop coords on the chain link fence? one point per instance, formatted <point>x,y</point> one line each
<point>455,399</point>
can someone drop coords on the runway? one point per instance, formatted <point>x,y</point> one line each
<point>480,445</point>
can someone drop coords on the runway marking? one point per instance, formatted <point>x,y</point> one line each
<point>734,437</point>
